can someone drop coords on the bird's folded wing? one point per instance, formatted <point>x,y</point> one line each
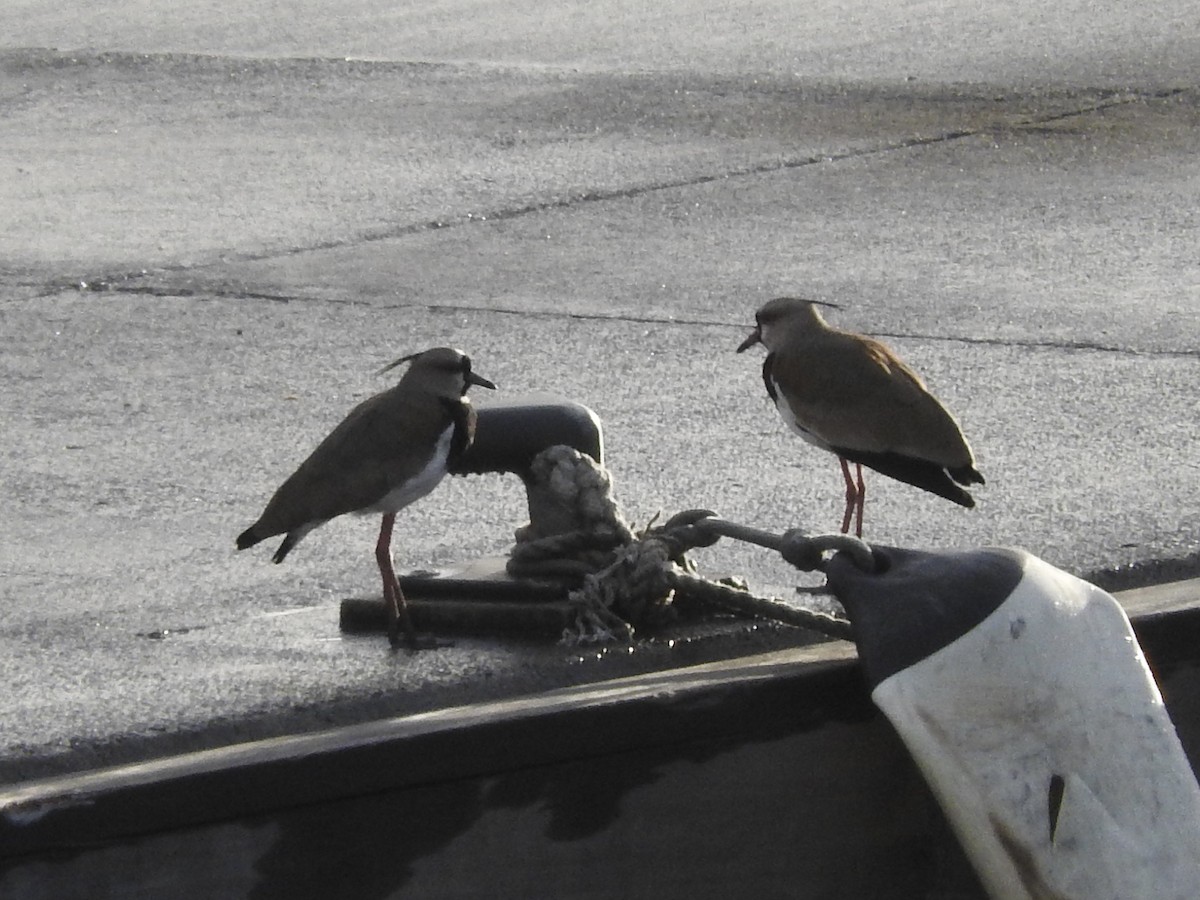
<point>378,445</point>
<point>871,401</point>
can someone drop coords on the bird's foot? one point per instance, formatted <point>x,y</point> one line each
<point>413,642</point>
<point>402,634</point>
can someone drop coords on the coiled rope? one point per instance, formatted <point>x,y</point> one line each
<point>630,580</point>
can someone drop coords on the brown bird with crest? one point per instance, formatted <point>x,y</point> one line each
<point>391,450</point>
<point>852,396</point>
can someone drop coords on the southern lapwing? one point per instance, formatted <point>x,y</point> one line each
<point>852,396</point>
<point>391,450</point>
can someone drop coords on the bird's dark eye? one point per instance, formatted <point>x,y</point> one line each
<point>466,365</point>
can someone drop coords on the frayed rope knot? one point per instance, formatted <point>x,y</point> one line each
<point>635,589</point>
<point>628,580</point>
<point>575,526</point>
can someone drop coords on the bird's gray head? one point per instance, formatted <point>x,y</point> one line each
<point>442,370</point>
<point>783,314</point>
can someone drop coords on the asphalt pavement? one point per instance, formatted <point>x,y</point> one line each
<point>220,224</point>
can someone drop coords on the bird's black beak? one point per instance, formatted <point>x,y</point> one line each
<point>472,378</point>
<point>755,337</point>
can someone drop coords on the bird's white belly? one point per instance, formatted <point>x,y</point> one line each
<point>789,417</point>
<point>419,484</point>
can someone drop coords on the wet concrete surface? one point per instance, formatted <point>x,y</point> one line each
<point>205,258</point>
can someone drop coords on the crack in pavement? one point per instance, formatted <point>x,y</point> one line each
<point>1106,99</point>
<point>216,293</point>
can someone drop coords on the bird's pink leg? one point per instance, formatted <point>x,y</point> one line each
<point>393,597</point>
<point>862,497</point>
<point>851,495</point>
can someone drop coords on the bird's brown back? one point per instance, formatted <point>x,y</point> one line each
<point>384,441</point>
<point>852,391</point>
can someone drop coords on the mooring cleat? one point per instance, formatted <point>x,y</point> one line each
<point>510,433</point>
<point>476,598</point>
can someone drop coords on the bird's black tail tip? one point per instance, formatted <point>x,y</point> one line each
<point>248,538</point>
<point>285,548</point>
<point>928,476</point>
<point>966,475</point>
